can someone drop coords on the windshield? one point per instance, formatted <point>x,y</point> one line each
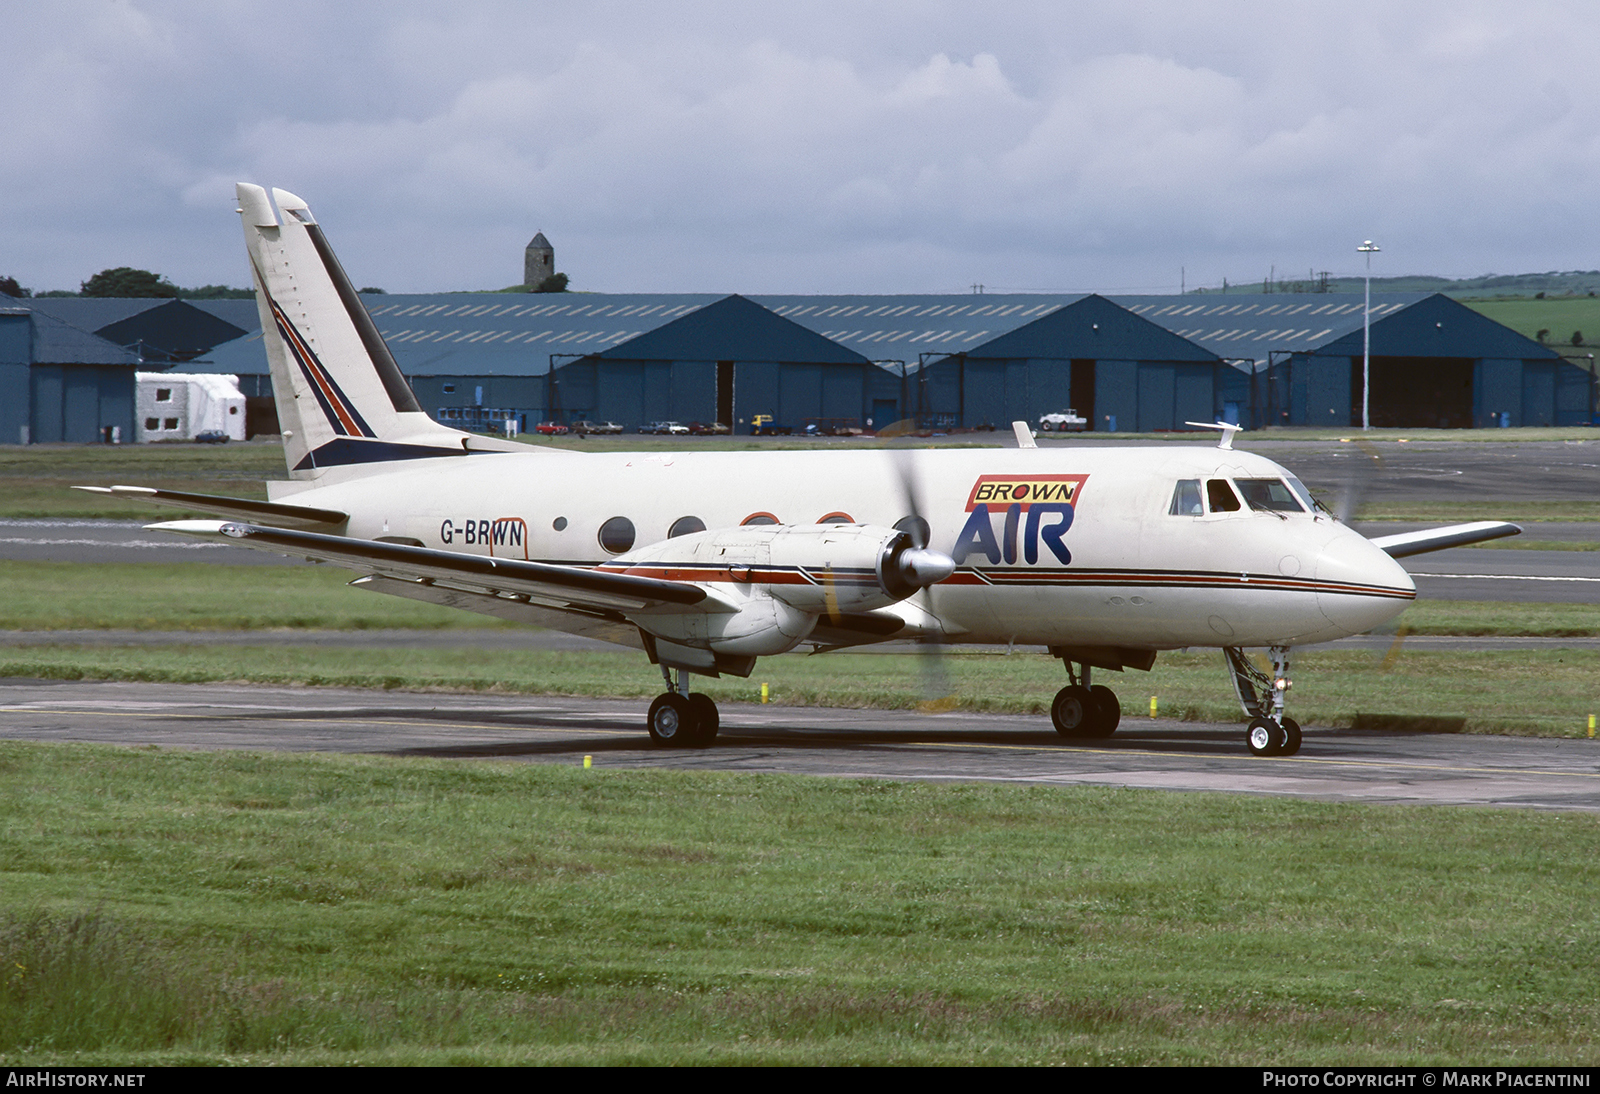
<point>1301,492</point>
<point>1269,495</point>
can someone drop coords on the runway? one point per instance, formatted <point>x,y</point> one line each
<point>1333,765</point>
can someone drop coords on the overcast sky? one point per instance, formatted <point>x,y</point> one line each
<point>896,146</point>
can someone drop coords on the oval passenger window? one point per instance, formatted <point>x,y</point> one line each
<point>616,535</point>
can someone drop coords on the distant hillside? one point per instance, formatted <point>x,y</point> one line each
<point>1488,287</point>
<point>1567,324</point>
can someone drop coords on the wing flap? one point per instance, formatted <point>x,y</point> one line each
<point>559,587</point>
<point>606,626</point>
<point>1438,539</point>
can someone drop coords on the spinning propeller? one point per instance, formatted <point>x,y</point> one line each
<point>937,694</point>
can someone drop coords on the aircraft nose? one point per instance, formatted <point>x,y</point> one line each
<point>1358,586</point>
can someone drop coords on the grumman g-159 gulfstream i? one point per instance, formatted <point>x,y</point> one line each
<point>706,561</point>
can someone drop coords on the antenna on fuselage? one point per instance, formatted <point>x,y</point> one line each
<point>1226,443</point>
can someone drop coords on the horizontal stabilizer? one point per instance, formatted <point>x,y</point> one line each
<point>560,587</point>
<point>1437,539</point>
<point>276,514</point>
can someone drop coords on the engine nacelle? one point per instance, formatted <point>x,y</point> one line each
<point>785,577</point>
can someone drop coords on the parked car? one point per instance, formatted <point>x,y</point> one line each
<point>586,426</point>
<point>714,429</point>
<point>1063,423</point>
<point>664,427</point>
<point>211,436</point>
<point>551,429</point>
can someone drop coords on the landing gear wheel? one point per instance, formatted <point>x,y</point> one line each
<point>1291,732</point>
<point>1264,737</point>
<point>1107,712</point>
<point>672,721</point>
<point>1073,711</point>
<point>706,720</point>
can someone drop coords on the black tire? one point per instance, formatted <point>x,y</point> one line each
<point>1264,737</point>
<point>672,721</point>
<point>1073,711</point>
<point>706,719</point>
<point>1107,711</point>
<point>1291,737</point>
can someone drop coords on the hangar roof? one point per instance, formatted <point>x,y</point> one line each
<point>490,334</point>
<point>736,329</point>
<point>93,312</point>
<point>57,342</point>
<point>1093,327</point>
<point>486,334</point>
<point>901,328</point>
<point>1248,326</point>
<point>173,331</point>
<point>1437,326</point>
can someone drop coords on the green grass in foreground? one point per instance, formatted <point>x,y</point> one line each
<point>1539,692</point>
<point>181,907</point>
<point>148,596</point>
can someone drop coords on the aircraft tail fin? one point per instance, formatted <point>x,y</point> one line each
<point>342,402</point>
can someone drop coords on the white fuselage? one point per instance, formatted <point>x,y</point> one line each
<point>1102,559</point>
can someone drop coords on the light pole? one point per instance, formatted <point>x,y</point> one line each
<point>1367,248</point>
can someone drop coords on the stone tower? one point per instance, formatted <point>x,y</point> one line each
<point>538,261</point>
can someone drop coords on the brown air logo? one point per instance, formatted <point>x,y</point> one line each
<point>1025,490</point>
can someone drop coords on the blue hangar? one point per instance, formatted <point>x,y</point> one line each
<point>1140,363</point>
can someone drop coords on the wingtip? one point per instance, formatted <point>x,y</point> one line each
<point>188,527</point>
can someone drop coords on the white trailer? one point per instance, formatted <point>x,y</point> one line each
<point>179,406</point>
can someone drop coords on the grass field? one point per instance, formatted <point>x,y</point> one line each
<point>176,907</point>
<point>1560,315</point>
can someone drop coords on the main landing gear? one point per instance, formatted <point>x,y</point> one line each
<point>1270,733</point>
<point>681,718</point>
<point>1083,711</point>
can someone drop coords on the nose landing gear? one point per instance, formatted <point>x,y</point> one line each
<point>1270,732</point>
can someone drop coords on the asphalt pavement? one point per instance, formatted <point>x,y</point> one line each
<point>1333,764</point>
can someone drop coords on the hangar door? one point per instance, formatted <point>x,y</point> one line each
<point>1428,392</point>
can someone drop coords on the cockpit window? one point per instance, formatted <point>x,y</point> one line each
<point>1312,504</point>
<point>1186,499</point>
<point>1269,495</point>
<point>1221,496</point>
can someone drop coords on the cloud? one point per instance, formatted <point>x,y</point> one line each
<point>916,145</point>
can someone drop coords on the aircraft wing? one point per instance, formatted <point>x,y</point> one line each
<point>483,581</point>
<point>273,513</point>
<point>1437,539</point>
